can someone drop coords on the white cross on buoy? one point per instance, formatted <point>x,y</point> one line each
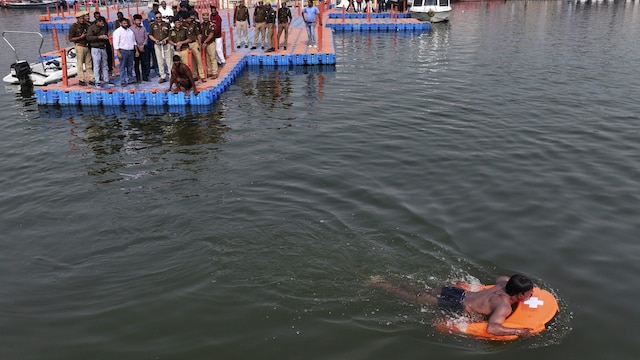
<point>534,302</point>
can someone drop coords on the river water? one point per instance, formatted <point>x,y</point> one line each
<point>505,141</point>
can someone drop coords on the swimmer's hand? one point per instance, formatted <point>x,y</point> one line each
<point>374,281</point>
<point>524,332</point>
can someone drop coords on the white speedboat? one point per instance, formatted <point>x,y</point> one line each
<point>43,72</point>
<point>430,10</point>
<point>29,4</point>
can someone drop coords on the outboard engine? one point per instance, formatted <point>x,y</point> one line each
<point>22,71</point>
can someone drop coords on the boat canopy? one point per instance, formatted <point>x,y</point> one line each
<point>431,3</point>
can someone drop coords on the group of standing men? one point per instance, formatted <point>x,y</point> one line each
<point>264,21</point>
<point>139,50</point>
<point>95,52</point>
<point>178,33</point>
<point>174,34</point>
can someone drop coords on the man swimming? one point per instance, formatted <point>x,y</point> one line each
<point>494,302</point>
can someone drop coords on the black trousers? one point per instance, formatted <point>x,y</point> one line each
<point>141,65</point>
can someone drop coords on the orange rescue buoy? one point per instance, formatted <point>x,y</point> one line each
<point>534,313</point>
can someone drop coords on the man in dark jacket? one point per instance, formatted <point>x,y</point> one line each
<point>271,23</point>
<point>98,38</point>
<point>284,19</point>
<point>242,22</point>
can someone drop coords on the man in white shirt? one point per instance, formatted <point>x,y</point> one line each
<point>124,43</point>
<point>165,11</point>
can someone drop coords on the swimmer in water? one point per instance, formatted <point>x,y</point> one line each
<point>494,303</point>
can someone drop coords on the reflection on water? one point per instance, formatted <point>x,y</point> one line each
<point>133,138</point>
<point>136,137</point>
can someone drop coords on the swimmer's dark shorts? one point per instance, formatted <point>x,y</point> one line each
<point>450,299</point>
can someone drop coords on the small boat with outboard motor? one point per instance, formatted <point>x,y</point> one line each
<point>47,70</point>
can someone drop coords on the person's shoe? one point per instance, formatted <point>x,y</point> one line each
<point>110,83</point>
<point>238,47</point>
<point>223,64</point>
<point>82,83</point>
<point>285,48</point>
<point>91,82</point>
<point>204,80</point>
<point>98,85</point>
<point>162,80</point>
<point>145,79</point>
<point>270,50</point>
<point>246,46</point>
<point>214,76</point>
<point>123,84</point>
<point>253,48</point>
<point>309,45</point>
<point>315,46</point>
<point>263,48</point>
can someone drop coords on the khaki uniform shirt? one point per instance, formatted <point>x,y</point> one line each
<point>284,15</point>
<point>259,14</point>
<point>208,27</point>
<point>270,15</point>
<point>159,31</point>
<point>177,35</point>
<point>241,13</point>
<point>78,29</point>
<point>193,30</point>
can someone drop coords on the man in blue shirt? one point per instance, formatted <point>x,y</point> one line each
<point>309,15</point>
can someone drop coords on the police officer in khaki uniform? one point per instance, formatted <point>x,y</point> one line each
<point>259,21</point>
<point>178,38</point>
<point>193,35</point>
<point>271,23</point>
<point>284,19</point>
<point>78,35</point>
<point>208,29</point>
<point>159,35</point>
<point>242,23</point>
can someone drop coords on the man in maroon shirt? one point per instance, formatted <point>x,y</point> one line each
<point>215,18</point>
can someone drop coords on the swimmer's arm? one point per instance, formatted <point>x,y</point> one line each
<point>498,317</point>
<point>172,80</point>
<point>193,83</point>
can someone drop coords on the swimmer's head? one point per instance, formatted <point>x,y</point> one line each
<point>518,284</point>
